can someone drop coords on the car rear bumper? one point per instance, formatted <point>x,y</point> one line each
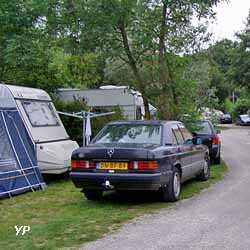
<point>226,121</point>
<point>214,152</point>
<point>120,181</point>
<point>245,124</point>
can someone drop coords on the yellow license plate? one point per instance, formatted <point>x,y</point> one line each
<point>114,165</point>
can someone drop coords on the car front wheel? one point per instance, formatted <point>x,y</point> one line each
<point>172,191</point>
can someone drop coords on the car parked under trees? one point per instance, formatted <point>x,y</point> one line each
<point>140,155</point>
<point>243,120</point>
<point>226,119</point>
<point>210,138</point>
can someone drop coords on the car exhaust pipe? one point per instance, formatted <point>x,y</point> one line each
<point>107,185</point>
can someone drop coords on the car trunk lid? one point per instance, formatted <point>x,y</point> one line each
<point>111,152</point>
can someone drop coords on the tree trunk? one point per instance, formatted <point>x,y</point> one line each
<point>165,102</point>
<point>162,44</point>
<point>172,82</point>
<point>132,64</point>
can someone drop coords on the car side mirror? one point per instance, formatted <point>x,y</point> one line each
<point>197,140</point>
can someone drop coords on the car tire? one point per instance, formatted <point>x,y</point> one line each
<point>217,160</point>
<point>205,173</point>
<point>172,191</point>
<point>93,194</point>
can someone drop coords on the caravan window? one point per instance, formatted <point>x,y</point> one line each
<point>40,113</point>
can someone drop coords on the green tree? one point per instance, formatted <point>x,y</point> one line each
<point>60,43</point>
<point>40,48</point>
<point>74,70</point>
<point>241,63</point>
<point>145,33</point>
<point>221,57</point>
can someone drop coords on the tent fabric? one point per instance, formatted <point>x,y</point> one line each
<point>19,170</point>
<point>6,98</point>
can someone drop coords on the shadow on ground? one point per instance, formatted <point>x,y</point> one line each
<point>125,197</point>
<point>54,178</point>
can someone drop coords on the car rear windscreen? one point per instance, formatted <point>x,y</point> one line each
<point>129,133</point>
<point>205,128</point>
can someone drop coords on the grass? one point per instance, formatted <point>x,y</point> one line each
<point>61,218</point>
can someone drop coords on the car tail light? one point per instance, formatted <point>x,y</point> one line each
<point>216,140</point>
<point>143,165</point>
<point>82,164</point>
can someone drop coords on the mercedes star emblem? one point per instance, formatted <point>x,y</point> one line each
<point>110,152</point>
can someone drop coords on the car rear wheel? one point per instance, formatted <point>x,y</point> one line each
<point>172,191</point>
<point>93,194</point>
<point>205,173</point>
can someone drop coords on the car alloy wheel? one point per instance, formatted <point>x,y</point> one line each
<point>177,184</point>
<point>206,169</point>
<point>171,191</point>
<point>205,173</point>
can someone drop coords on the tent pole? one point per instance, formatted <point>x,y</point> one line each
<point>24,149</point>
<point>13,148</point>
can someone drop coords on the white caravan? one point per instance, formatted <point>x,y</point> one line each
<point>108,97</point>
<point>53,145</point>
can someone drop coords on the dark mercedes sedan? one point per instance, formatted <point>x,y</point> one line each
<point>140,155</point>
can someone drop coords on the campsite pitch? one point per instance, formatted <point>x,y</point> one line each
<point>61,218</point>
